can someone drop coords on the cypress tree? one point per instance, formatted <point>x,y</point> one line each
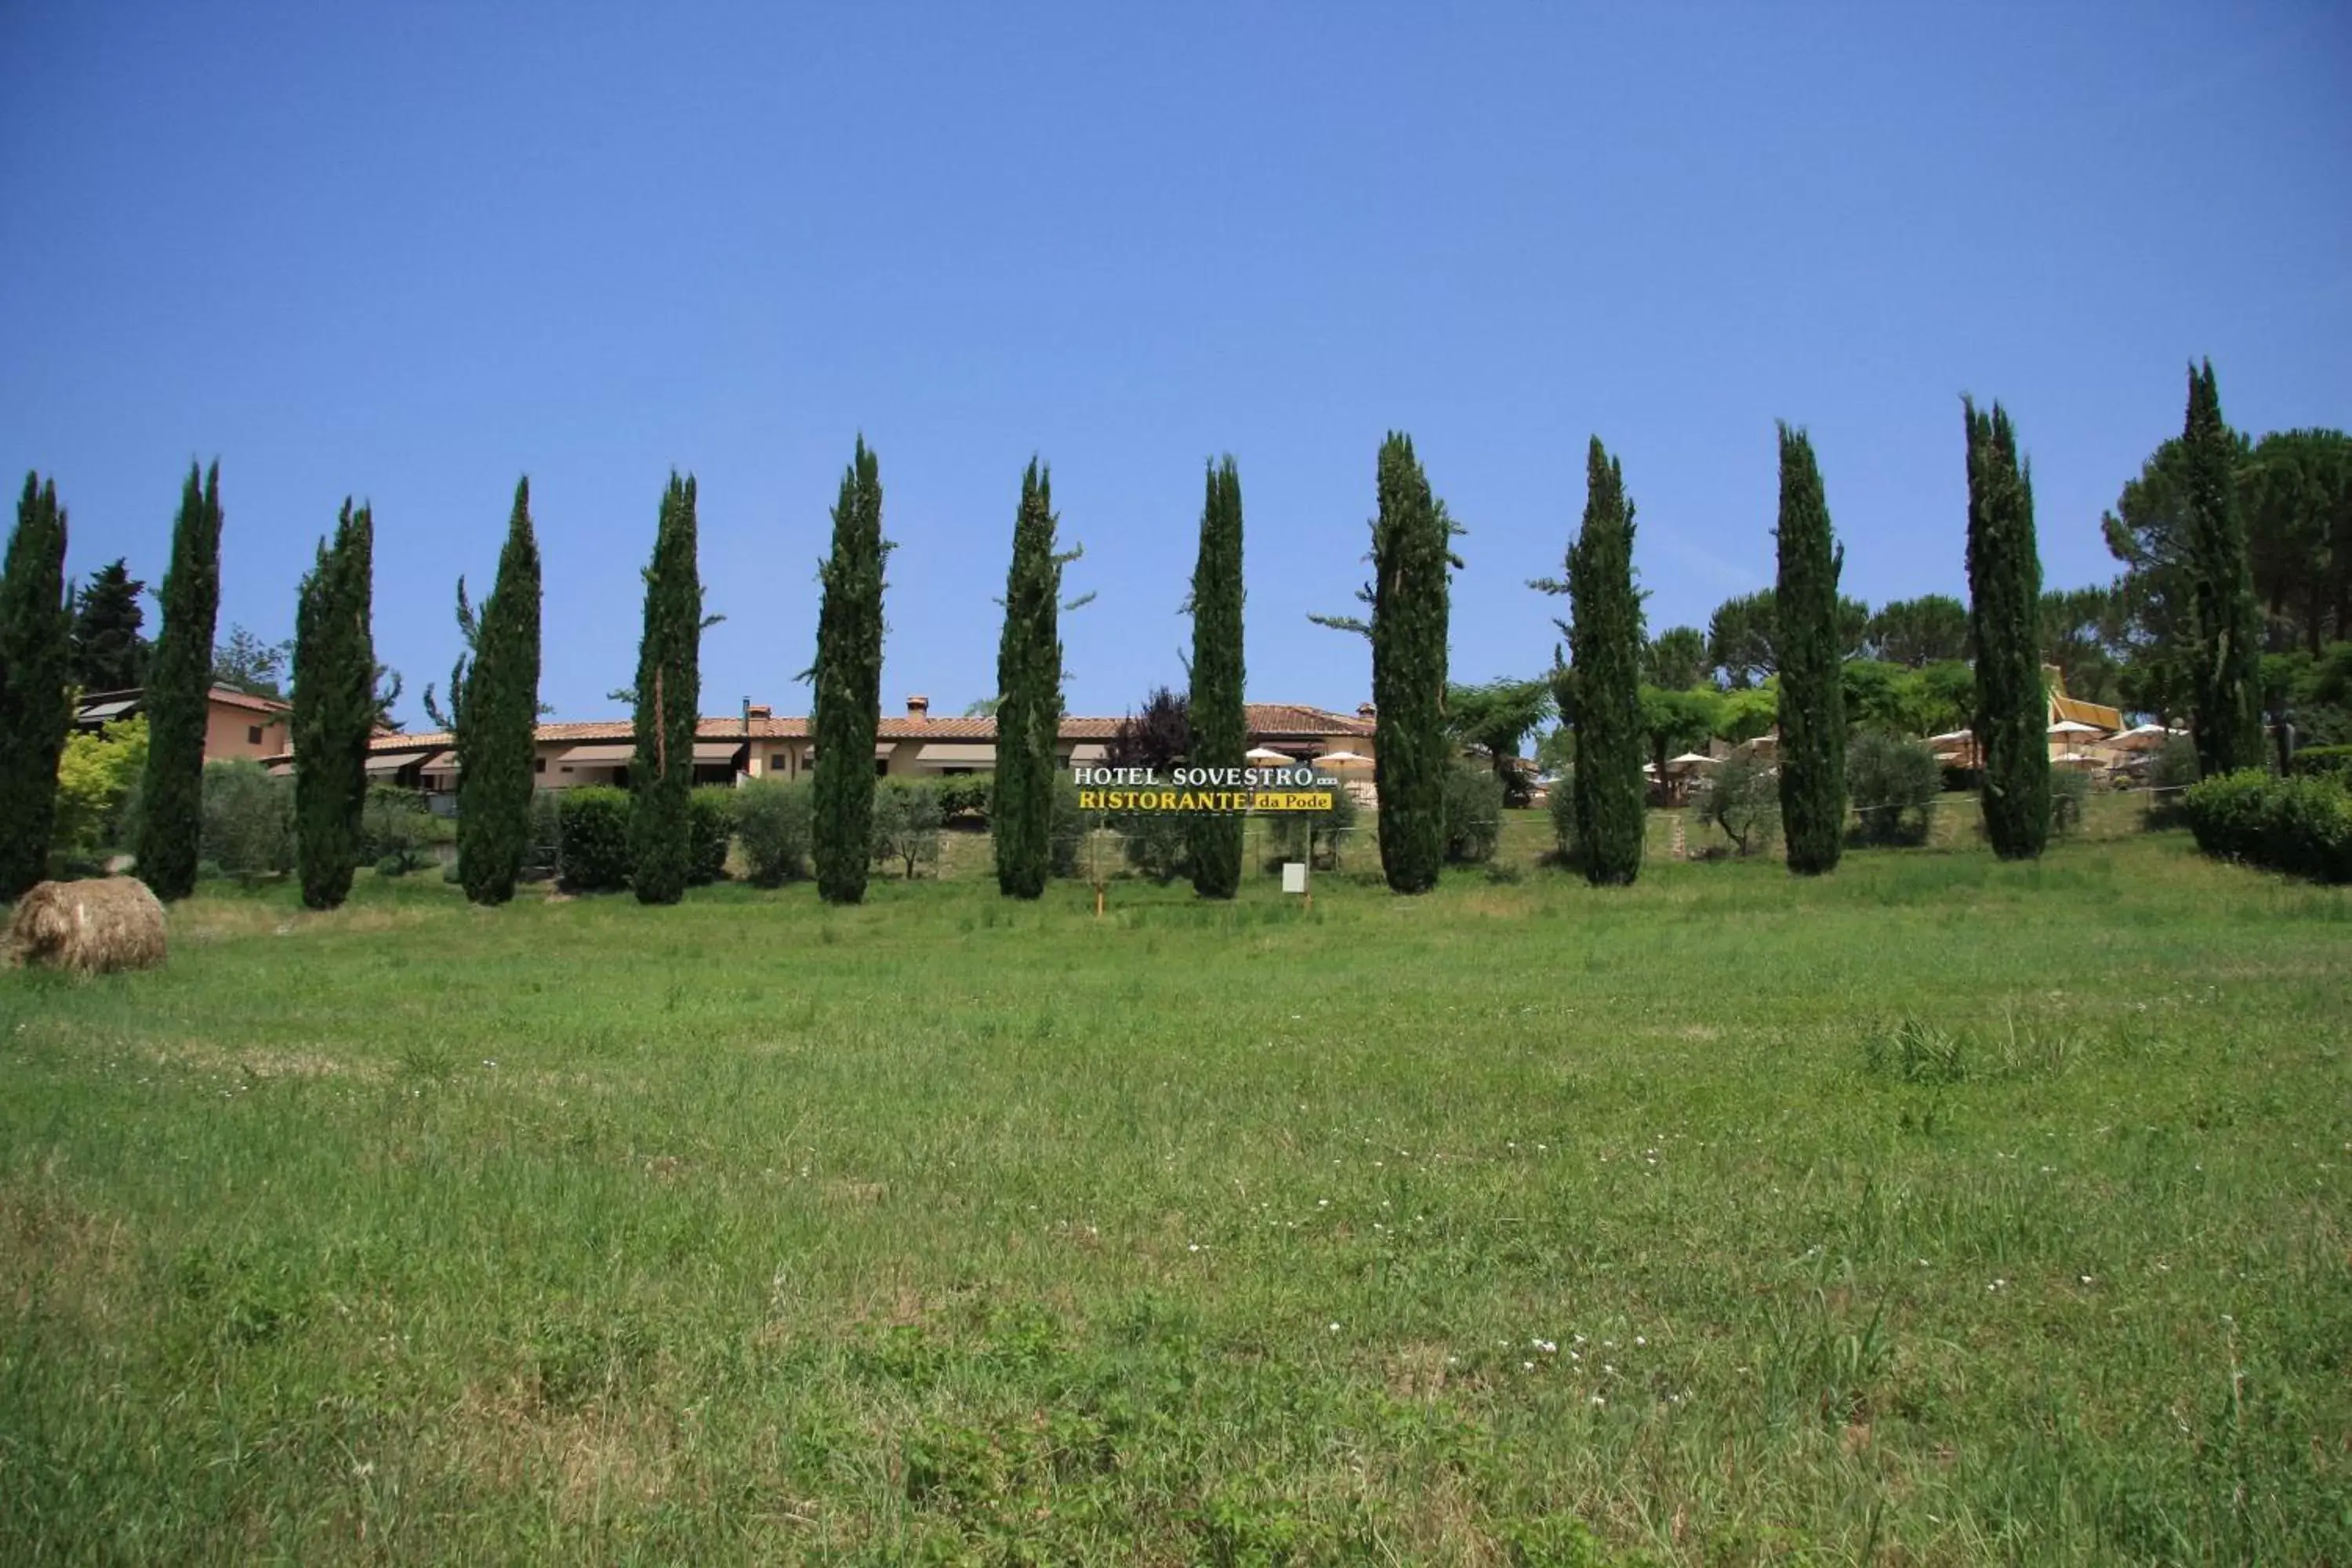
<point>109,653</point>
<point>493,713</point>
<point>669,692</point>
<point>334,709</point>
<point>1218,714</point>
<point>35,684</point>
<point>1029,695</point>
<point>1606,643</point>
<point>848,682</point>
<point>1812,697</point>
<point>2013,708</point>
<point>179,677</point>
<point>1411,552</point>
<point>2226,655</point>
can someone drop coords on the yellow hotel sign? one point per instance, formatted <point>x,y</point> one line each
<point>1207,790</point>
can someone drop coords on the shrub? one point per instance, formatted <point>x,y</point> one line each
<point>1157,843</point>
<point>593,838</point>
<point>394,829</point>
<point>2170,772</point>
<point>2069,798</point>
<point>1066,847</point>
<point>2300,826</point>
<point>906,822</point>
<point>1894,783</point>
<point>1473,814</point>
<point>2324,761</point>
<point>1560,803</point>
<point>774,817</point>
<point>247,823</point>
<point>711,829</point>
<point>966,795</point>
<point>1318,837</point>
<point>1743,799</point>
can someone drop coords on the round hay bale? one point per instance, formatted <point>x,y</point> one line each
<point>89,928</point>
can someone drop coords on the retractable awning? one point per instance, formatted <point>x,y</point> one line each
<point>951,754</point>
<point>393,762</point>
<point>712,751</point>
<point>598,756</point>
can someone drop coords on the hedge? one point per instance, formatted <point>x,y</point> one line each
<point>711,829</point>
<point>2299,826</point>
<point>593,838</point>
<point>2324,761</point>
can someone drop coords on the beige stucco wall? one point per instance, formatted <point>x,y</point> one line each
<point>228,731</point>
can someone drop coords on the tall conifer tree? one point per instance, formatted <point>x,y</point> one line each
<point>2226,655</point>
<point>669,691</point>
<point>109,653</point>
<point>2013,708</point>
<point>179,678</point>
<point>1812,697</point>
<point>848,682</point>
<point>35,684</point>
<point>334,709</point>
<point>1217,709</point>
<point>494,702</point>
<point>1029,695</point>
<point>1412,556</point>
<point>1606,643</point>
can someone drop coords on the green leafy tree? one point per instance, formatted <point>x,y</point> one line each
<point>35,684</point>
<point>171,795</point>
<point>1606,650</point>
<point>2005,610</point>
<point>2082,633</point>
<point>244,663</point>
<point>1675,721</point>
<point>96,775</point>
<point>1029,695</point>
<point>905,824</point>
<point>1216,719</point>
<point>334,709</point>
<point>1808,643</point>
<point>1931,629</point>
<point>1743,636</point>
<point>1494,719</point>
<point>494,716</point>
<point>1409,596</point>
<point>1895,783</point>
<point>1743,799</point>
<point>1677,659</point>
<point>2225,653</point>
<point>109,653</point>
<point>2295,490</point>
<point>667,698</point>
<point>848,681</point>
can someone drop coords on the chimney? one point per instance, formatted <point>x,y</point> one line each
<point>918,707</point>
<point>759,711</point>
<point>1364,711</point>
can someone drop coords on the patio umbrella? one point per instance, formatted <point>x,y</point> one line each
<point>1343,760</point>
<point>2075,727</point>
<point>2139,737</point>
<point>1694,760</point>
<point>1949,736</point>
<point>2077,760</point>
<point>1265,754</point>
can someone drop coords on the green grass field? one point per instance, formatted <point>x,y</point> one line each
<point>1941,1211</point>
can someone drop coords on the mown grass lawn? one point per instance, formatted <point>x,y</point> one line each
<point>1940,1211</point>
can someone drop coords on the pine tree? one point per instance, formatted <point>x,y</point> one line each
<point>1411,552</point>
<point>35,684</point>
<point>1813,698</point>
<point>1029,695</point>
<point>109,653</point>
<point>1606,643</point>
<point>494,703</point>
<point>179,678</point>
<point>669,692</point>
<point>2011,716</point>
<point>2225,656</point>
<point>334,709</point>
<point>1217,712</point>
<point>848,683</point>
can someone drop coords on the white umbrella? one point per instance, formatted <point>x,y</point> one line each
<point>1265,754</point>
<point>2075,727</point>
<point>1693,759</point>
<point>1341,759</point>
<point>2077,760</point>
<point>2141,736</point>
<point>1950,735</point>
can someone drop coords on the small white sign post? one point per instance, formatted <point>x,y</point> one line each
<point>1293,879</point>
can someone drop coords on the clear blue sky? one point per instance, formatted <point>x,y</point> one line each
<point>412,254</point>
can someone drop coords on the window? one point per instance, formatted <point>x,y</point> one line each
<point>538,765</point>
<point>779,762</point>
<point>881,767</point>
<point>253,735</point>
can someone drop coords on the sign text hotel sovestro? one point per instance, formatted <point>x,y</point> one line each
<point>1204,790</point>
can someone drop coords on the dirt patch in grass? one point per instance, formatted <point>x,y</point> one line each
<point>57,1252</point>
<point>263,1061</point>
